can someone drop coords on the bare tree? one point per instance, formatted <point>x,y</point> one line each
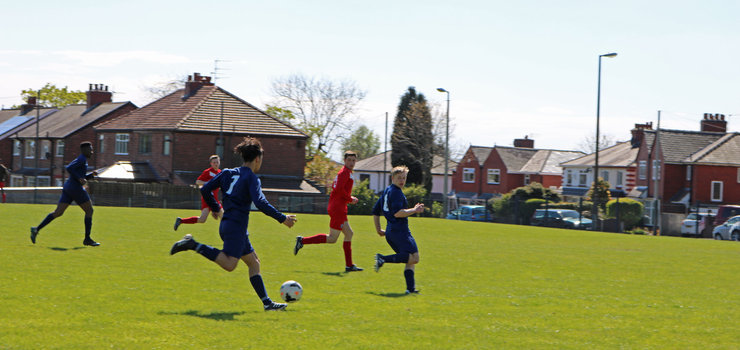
<point>165,88</point>
<point>324,108</point>
<point>587,145</point>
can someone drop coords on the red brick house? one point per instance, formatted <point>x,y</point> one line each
<point>59,137</point>
<point>691,166</point>
<point>171,139</point>
<point>484,172</point>
<point>11,122</point>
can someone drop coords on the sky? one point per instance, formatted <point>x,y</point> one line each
<point>513,68</point>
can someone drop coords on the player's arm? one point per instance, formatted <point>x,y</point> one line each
<point>207,193</point>
<point>376,216</point>
<point>404,213</point>
<point>76,171</point>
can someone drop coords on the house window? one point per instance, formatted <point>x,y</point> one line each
<point>30,149</point>
<point>167,143</point>
<point>688,174</point>
<point>494,176</point>
<point>145,143</point>
<point>16,148</point>
<point>468,175</point>
<point>716,191</point>
<point>45,149</point>
<point>526,179</point>
<point>642,170</point>
<point>101,143</point>
<point>619,179</point>
<point>605,175</point>
<point>16,181</point>
<point>364,177</point>
<point>122,144</point>
<point>569,177</point>
<point>60,148</point>
<point>44,181</point>
<point>738,175</point>
<point>582,177</point>
<point>656,169</point>
<point>59,182</point>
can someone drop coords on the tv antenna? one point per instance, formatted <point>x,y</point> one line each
<point>217,71</point>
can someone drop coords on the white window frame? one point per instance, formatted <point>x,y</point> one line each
<point>17,147</point>
<point>656,169</point>
<point>605,175</point>
<point>582,175</point>
<point>30,145</point>
<point>45,148</point>
<point>468,175</point>
<point>44,181</point>
<point>738,175</point>
<point>526,179</point>
<point>122,143</point>
<point>166,145</point>
<point>688,173</point>
<point>568,177</point>
<point>620,178</point>
<point>716,197</point>
<point>101,143</point>
<point>60,149</point>
<point>494,176</point>
<point>642,170</point>
<point>16,180</point>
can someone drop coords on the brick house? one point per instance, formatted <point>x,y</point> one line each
<point>59,137</point>
<point>12,121</point>
<point>690,166</point>
<point>484,172</point>
<point>171,139</point>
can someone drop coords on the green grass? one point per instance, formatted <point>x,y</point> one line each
<point>483,286</point>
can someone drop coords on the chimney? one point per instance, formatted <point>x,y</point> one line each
<point>29,105</point>
<point>638,133</point>
<point>524,143</point>
<point>195,82</point>
<point>714,123</point>
<point>97,94</point>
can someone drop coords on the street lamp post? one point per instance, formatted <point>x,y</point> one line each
<point>595,209</point>
<point>447,153</point>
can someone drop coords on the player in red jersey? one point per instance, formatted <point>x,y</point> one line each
<point>204,177</point>
<point>341,195</point>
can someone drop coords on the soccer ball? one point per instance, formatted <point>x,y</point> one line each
<point>291,291</point>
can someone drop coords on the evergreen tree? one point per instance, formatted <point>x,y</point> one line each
<point>412,140</point>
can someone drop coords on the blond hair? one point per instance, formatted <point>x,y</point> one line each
<point>399,170</point>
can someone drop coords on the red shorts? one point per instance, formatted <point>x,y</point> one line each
<point>337,219</point>
<point>204,205</point>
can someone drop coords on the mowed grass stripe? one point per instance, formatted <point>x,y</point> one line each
<point>483,286</point>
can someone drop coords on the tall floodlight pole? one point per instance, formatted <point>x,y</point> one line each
<point>36,150</point>
<point>595,209</point>
<point>447,153</point>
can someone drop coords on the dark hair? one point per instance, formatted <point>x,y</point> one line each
<point>250,148</point>
<point>85,144</point>
<point>349,154</point>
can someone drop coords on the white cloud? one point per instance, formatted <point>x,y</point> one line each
<point>109,59</point>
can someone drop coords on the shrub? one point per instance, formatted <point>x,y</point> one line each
<point>630,211</point>
<point>366,199</point>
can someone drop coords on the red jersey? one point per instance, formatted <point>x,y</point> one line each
<point>207,175</point>
<point>341,190</point>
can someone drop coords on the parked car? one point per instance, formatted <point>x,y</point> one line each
<point>724,212</point>
<point>689,225</point>
<point>470,213</point>
<point>730,229</point>
<point>564,218</point>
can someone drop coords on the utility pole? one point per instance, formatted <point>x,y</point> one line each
<point>36,150</point>
<point>657,166</point>
<point>385,152</point>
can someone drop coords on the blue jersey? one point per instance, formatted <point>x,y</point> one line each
<point>240,188</point>
<point>76,169</point>
<point>390,202</point>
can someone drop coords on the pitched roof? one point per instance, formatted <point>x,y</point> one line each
<point>677,145</point>
<point>724,151</point>
<point>547,161</point>
<point>70,119</point>
<point>375,164</point>
<point>201,112</point>
<point>11,122</point>
<point>481,153</point>
<point>515,158</point>
<point>619,155</point>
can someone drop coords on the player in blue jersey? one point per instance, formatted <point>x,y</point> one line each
<point>74,190</point>
<point>240,188</point>
<point>393,205</point>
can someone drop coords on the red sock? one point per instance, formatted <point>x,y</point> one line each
<point>315,239</point>
<point>190,220</point>
<point>347,253</point>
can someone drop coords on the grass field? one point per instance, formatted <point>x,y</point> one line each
<point>484,286</point>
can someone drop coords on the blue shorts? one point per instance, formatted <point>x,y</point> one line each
<point>401,242</point>
<point>79,196</point>
<point>235,237</point>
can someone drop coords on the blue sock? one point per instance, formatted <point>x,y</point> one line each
<point>88,226</point>
<point>410,284</point>
<point>46,221</point>
<point>209,252</point>
<point>259,287</point>
<point>396,258</point>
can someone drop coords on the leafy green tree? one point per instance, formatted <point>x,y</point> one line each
<point>630,211</point>
<point>415,193</point>
<point>366,199</point>
<point>321,169</point>
<point>599,191</point>
<point>412,140</point>
<point>52,96</point>
<point>363,141</point>
<point>281,114</point>
<point>519,204</point>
